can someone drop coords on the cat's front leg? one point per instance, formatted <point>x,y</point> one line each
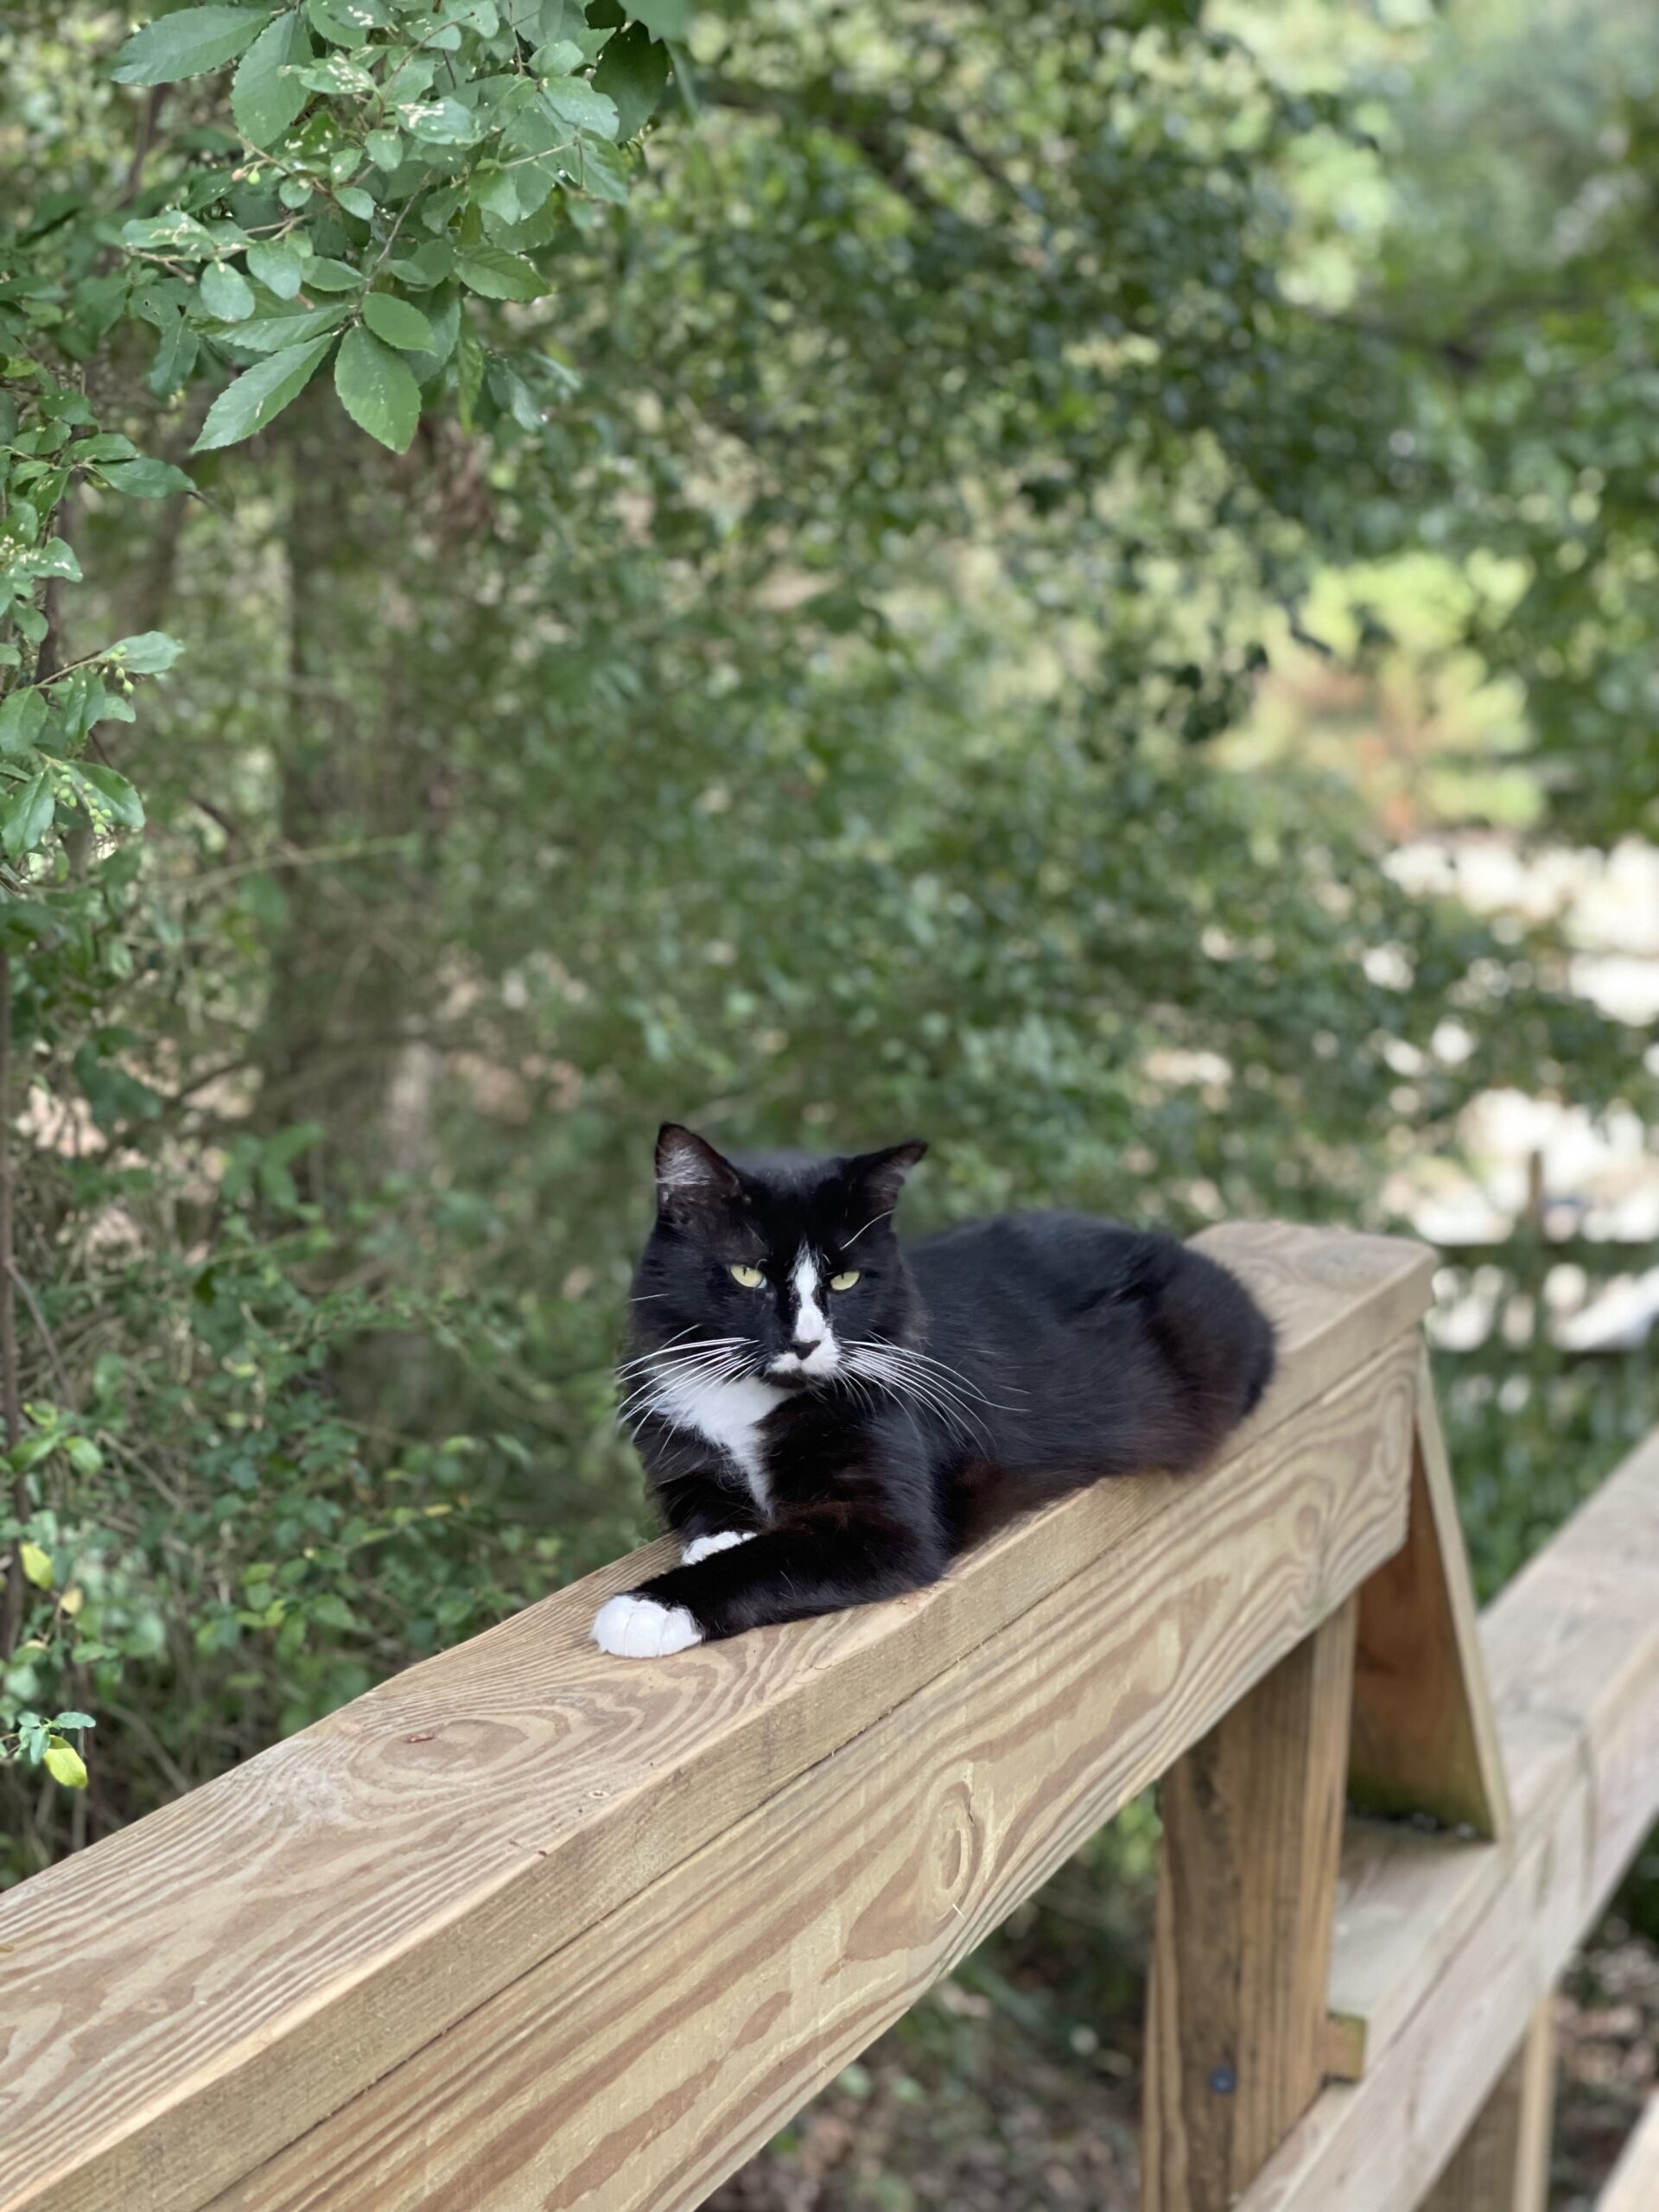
<point>721,1540</point>
<point>819,1561</point>
<point>638,1625</point>
<point>706,1515</point>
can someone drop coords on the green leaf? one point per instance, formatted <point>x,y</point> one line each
<point>383,148</point>
<point>260,394</point>
<point>445,317</point>
<point>632,74</point>
<point>74,1719</point>
<point>145,479</point>
<point>63,1762</point>
<point>356,201</point>
<point>22,715</point>
<point>377,390</point>
<point>37,1565</point>
<point>574,100</point>
<point>28,815</point>
<point>337,25</point>
<point>511,392</point>
<point>146,653</point>
<point>226,292</point>
<point>187,44</point>
<point>496,274</point>
<point>175,356</point>
<point>600,172</point>
<point>269,333</point>
<point>323,274</point>
<point>117,797</point>
<point>397,322</point>
<point>179,236</point>
<point>56,558</point>
<point>279,266</point>
<point>429,264</point>
<point>440,123</point>
<point>265,98</point>
<point>663,18</point>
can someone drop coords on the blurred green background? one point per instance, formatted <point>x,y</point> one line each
<point>1077,581</point>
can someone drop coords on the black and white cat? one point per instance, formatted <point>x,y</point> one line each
<point>828,1416</point>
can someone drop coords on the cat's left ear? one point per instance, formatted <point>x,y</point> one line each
<point>881,1175</point>
<point>691,1176</point>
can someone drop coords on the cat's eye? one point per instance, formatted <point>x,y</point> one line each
<point>844,1281</point>
<point>751,1278</point>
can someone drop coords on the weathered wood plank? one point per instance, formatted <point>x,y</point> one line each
<point>1424,1737</point>
<point>1443,1949</point>
<point>245,1960</point>
<point>638,2065</point>
<point>1633,2185</point>
<point>1252,1818</point>
<point>1503,2163</point>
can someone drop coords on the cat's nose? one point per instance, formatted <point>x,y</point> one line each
<point>807,1344</point>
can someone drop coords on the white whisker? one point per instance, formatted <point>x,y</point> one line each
<point>885,1364</point>
<point>870,1224</point>
<point>696,1365</point>
<point>678,1349</point>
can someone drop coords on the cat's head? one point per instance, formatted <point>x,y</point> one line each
<point>790,1258</point>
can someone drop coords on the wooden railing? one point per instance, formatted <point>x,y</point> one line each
<point>528,1926</point>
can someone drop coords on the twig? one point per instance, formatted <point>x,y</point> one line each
<point>44,1330</point>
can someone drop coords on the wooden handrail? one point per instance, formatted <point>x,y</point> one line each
<point>1633,2186</point>
<point>1443,1949</point>
<point>530,1924</point>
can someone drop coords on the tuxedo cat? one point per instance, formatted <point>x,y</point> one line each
<point>827,1414</point>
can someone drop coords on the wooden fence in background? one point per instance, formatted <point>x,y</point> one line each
<point>530,1927</point>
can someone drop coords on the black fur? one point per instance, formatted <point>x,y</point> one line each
<point>1058,1349</point>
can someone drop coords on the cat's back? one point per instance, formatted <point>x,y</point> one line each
<point>1049,1259</point>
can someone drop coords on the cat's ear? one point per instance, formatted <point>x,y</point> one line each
<point>691,1176</point>
<point>880,1175</point>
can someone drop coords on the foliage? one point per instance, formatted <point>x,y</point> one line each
<point>736,631</point>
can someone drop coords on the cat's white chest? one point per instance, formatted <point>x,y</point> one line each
<point>729,1415</point>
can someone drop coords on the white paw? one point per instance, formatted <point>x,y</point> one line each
<point>631,1627</point>
<point>702,1547</point>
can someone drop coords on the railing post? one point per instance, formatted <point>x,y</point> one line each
<point>1247,1887</point>
<point>1425,1739</point>
<point>1503,2163</point>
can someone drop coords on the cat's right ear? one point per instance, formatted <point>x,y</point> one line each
<point>691,1176</point>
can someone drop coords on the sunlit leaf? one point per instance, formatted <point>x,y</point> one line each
<point>66,1766</point>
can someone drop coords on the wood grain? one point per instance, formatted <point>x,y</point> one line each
<point>243,1962</point>
<point>1633,2185</point>
<point>1503,2163</point>
<point>1442,1949</point>
<point>1252,1818</point>
<point>1424,1737</point>
<point>638,2066</point>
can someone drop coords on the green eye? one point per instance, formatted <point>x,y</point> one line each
<point>844,1281</point>
<point>751,1278</point>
